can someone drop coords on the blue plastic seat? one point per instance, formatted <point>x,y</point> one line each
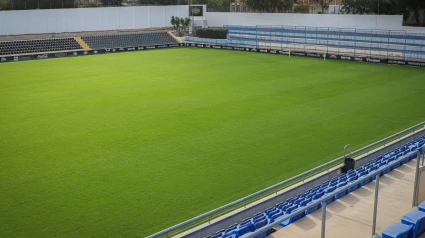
<point>230,231</point>
<point>323,186</point>
<point>351,173</point>
<point>298,201</point>
<point>286,206</point>
<point>231,236</point>
<point>243,230</point>
<point>280,205</point>
<point>256,219</point>
<point>398,230</point>
<point>272,213</point>
<point>305,202</point>
<point>370,171</point>
<point>293,219</point>
<point>260,214</point>
<point>276,215</point>
<point>396,165</point>
<point>290,209</point>
<point>330,190</point>
<point>301,195</point>
<point>362,173</point>
<point>233,226</point>
<point>311,210</point>
<point>290,200</point>
<point>365,181</point>
<point>417,220</point>
<point>318,195</point>
<point>387,170</point>
<point>353,188</point>
<point>269,210</point>
<point>343,191</point>
<point>220,232</point>
<point>310,195</point>
<point>245,223</point>
<point>258,226</point>
<point>246,219</point>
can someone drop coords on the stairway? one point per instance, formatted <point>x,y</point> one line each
<point>82,43</point>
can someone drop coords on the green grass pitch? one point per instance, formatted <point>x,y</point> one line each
<point>124,145</point>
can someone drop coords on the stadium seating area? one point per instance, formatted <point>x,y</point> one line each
<point>291,205</point>
<point>399,44</point>
<point>128,40</point>
<point>412,225</point>
<point>38,46</point>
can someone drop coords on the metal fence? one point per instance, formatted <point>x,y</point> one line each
<point>394,44</point>
<point>273,190</point>
<point>323,200</point>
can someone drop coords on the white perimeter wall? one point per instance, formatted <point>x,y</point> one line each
<point>321,20</point>
<point>88,19</point>
<point>120,18</point>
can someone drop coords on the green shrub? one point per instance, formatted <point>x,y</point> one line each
<point>211,33</point>
<point>301,8</point>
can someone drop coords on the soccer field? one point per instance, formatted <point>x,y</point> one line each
<point>124,145</point>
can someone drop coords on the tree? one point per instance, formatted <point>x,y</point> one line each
<point>180,24</point>
<point>218,5</point>
<point>324,4</point>
<point>111,2</point>
<point>185,22</point>
<point>387,7</point>
<point>270,5</point>
<point>302,8</point>
<point>5,5</point>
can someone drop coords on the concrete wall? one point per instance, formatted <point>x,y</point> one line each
<point>120,18</point>
<point>219,19</point>
<point>88,19</point>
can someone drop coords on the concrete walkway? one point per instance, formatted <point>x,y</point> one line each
<point>351,216</point>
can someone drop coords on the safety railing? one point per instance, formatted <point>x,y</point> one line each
<point>274,189</point>
<point>392,34</point>
<point>347,48</point>
<point>323,200</point>
<point>381,43</point>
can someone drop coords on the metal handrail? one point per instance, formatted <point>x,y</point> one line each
<point>302,175</point>
<point>330,195</point>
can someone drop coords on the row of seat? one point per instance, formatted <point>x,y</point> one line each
<point>330,43</point>
<point>337,32</point>
<point>35,46</point>
<point>335,184</point>
<point>308,38</point>
<point>128,40</point>
<point>412,225</point>
<point>37,41</point>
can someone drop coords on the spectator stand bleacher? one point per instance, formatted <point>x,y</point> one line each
<point>38,46</point>
<point>307,203</point>
<point>296,208</point>
<point>128,40</point>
